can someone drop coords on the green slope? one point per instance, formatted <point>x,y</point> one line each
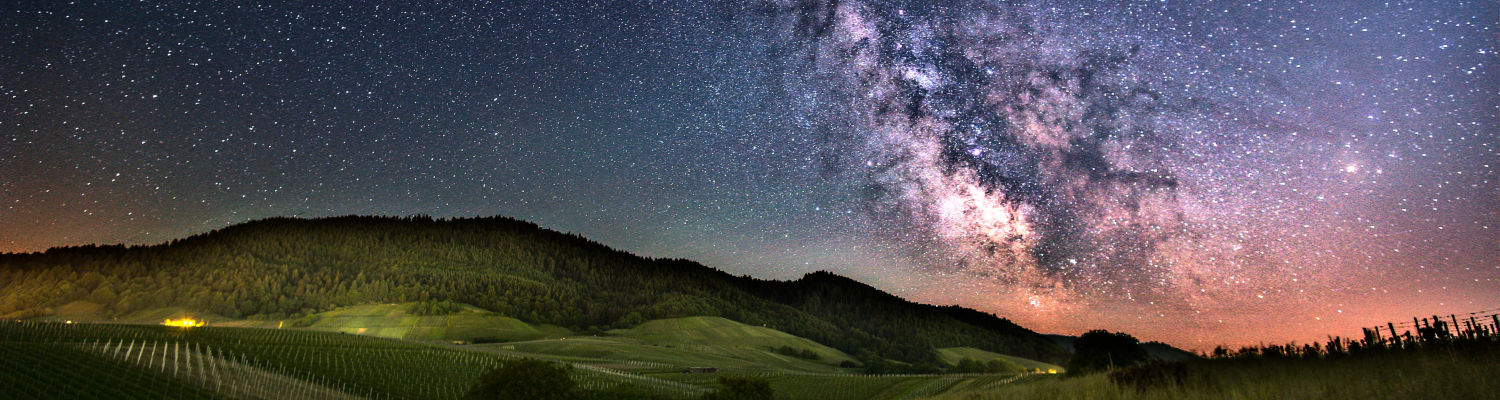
<point>671,345</point>
<point>724,333</point>
<point>393,321</point>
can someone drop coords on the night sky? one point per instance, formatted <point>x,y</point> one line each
<point>1191,172</point>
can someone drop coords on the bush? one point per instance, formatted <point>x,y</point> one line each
<point>306,320</point>
<point>798,352</point>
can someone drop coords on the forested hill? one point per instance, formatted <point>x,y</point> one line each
<point>285,267</point>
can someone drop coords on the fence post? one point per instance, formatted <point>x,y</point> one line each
<point>1442,325</point>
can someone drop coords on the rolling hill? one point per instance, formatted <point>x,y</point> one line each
<point>285,268</point>
<point>668,346</point>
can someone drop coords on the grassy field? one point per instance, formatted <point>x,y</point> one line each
<point>621,353</point>
<point>393,321</point>
<point>1469,373</point>
<point>664,348</point>
<point>720,332</point>
<point>667,347</point>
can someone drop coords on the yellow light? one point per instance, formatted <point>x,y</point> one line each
<point>1051,370</point>
<point>184,323</point>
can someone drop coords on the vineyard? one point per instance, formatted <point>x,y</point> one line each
<point>61,371</point>
<point>169,362</point>
<point>62,360</point>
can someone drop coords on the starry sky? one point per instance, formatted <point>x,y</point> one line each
<point>1192,172</point>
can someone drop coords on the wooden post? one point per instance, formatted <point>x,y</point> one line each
<point>1394,337</point>
<point>1454,317</point>
<point>1437,325</point>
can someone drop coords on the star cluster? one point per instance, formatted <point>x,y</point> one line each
<point>1195,172</point>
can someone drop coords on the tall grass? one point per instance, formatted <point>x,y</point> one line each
<point>1461,372</point>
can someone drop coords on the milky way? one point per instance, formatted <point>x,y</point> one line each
<point>1042,160</point>
<point>1049,151</point>
<point>1195,172</point>
<point>1023,159</point>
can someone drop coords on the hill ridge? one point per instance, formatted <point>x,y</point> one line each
<point>283,267</point>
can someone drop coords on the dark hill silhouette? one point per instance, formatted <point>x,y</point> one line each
<point>1156,351</point>
<point>285,267</point>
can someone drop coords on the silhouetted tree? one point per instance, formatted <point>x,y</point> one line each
<point>1099,350</point>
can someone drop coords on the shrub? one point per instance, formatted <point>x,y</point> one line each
<point>798,352</point>
<point>306,320</point>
